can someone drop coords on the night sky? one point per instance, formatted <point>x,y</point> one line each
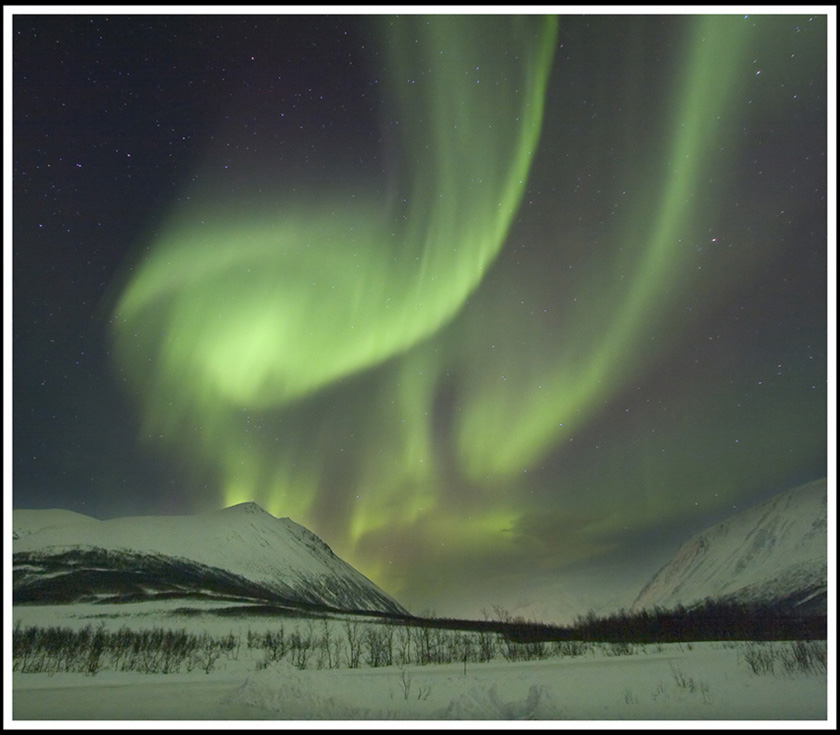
<point>502,308</point>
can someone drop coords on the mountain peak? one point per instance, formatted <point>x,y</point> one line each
<point>249,507</point>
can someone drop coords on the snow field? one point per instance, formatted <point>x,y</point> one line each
<point>706,683</point>
<point>700,681</point>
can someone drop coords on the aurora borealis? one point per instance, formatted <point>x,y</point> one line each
<point>501,307</point>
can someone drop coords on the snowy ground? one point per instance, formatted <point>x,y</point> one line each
<point>701,682</point>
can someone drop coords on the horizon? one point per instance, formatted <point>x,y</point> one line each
<point>500,612</point>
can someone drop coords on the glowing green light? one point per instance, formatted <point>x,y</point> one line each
<point>244,307</point>
<point>405,400</point>
<point>503,427</point>
<point>262,307</point>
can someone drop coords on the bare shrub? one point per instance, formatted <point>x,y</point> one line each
<point>759,657</point>
<point>276,644</point>
<point>209,653</point>
<point>354,644</point>
<point>329,645</point>
<point>806,657</point>
<point>403,644</point>
<point>486,649</point>
<point>405,681</point>
<point>688,683</point>
<point>622,648</point>
<point>300,646</point>
<point>796,657</point>
<point>376,640</point>
<point>570,648</point>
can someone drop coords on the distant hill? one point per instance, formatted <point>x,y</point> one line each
<point>240,553</point>
<point>774,553</point>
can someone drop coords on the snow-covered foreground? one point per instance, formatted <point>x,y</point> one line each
<point>701,681</point>
<point>706,683</point>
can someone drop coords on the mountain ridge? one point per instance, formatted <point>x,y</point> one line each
<point>774,551</point>
<point>241,547</point>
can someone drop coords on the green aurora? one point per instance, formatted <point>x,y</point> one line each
<point>362,361</point>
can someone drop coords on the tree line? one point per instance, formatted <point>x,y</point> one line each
<point>712,620</point>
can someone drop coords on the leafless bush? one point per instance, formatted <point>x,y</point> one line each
<point>405,681</point>
<point>275,644</point>
<point>378,641</point>
<point>570,648</point>
<point>621,648</point>
<point>760,657</point>
<point>688,683</point>
<point>807,657</point>
<point>486,646</point>
<point>403,641</point>
<point>207,653</point>
<point>89,651</point>
<point>795,657</point>
<point>329,647</point>
<point>300,645</point>
<point>354,644</point>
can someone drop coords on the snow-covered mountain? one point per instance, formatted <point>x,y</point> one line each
<point>241,552</point>
<point>774,553</point>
